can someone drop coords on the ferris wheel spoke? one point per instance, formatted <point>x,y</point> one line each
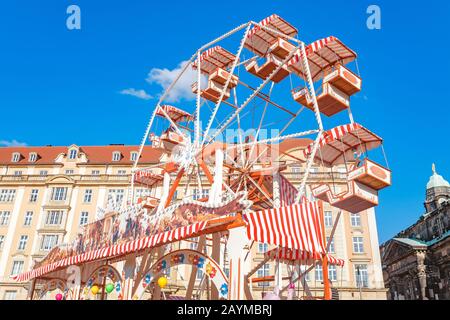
<point>236,59</point>
<point>261,190</point>
<point>260,124</point>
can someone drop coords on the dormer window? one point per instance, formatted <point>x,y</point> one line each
<point>33,157</point>
<point>116,156</point>
<point>73,153</point>
<point>134,156</point>
<point>15,157</point>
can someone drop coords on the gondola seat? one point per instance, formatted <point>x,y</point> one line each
<point>344,80</point>
<point>372,175</point>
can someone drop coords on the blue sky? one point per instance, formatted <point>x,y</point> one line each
<point>61,87</point>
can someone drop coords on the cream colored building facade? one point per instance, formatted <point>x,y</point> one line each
<point>48,193</point>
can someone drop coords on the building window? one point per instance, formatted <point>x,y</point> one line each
<point>7,195</point>
<point>2,240</point>
<point>34,195</point>
<point>117,195</point>
<point>328,219</point>
<point>28,218</point>
<point>134,156</point>
<point>15,157</point>
<point>122,172</point>
<point>361,276</point>
<point>263,272</point>
<point>73,154</point>
<point>95,172</point>
<point>331,249</point>
<point>17,267</point>
<point>263,247</point>
<point>18,173</point>
<point>87,196</point>
<point>116,156</point>
<point>54,217</point>
<point>200,194</point>
<point>355,220</point>
<point>69,172</point>
<point>48,242</point>
<point>33,157</point>
<point>319,273</point>
<point>4,218</point>
<point>43,173</point>
<point>59,194</point>
<point>358,246</point>
<point>332,273</point>
<point>10,295</point>
<point>84,218</point>
<point>22,243</point>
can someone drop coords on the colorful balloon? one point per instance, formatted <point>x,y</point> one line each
<point>59,296</point>
<point>94,290</point>
<point>162,282</point>
<point>109,287</point>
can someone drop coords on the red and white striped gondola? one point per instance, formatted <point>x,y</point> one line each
<point>290,256</point>
<point>339,146</point>
<point>175,114</point>
<point>326,60</point>
<point>214,62</point>
<point>271,46</point>
<point>170,138</point>
<point>150,180</point>
<point>260,40</point>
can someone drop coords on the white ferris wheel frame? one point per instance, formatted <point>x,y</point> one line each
<point>198,142</point>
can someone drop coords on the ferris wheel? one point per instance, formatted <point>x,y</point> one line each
<point>244,87</point>
<point>256,78</point>
<point>222,180</point>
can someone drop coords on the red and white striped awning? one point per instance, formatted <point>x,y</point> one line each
<point>338,145</point>
<point>321,55</point>
<point>116,250</point>
<point>290,256</point>
<point>213,58</point>
<point>288,192</point>
<point>297,227</point>
<point>174,113</point>
<point>259,40</point>
<point>147,178</point>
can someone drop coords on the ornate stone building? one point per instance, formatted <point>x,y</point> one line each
<point>416,262</point>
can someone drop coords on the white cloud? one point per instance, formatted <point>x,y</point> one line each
<point>182,90</point>
<point>141,94</point>
<point>13,143</point>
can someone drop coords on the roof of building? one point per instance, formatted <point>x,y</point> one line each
<point>436,180</point>
<point>411,242</point>
<point>419,243</point>
<point>95,154</point>
<point>104,154</point>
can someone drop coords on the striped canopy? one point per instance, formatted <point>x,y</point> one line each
<point>147,177</point>
<point>290,256</point>
<point>259,40</point>
<point>174,113</point>
<point>338,145</point>
<point>116,250</point>
<point>297,226</point>
<point>288,192</point>
<point>213,58</point>
<point>321,55</point>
